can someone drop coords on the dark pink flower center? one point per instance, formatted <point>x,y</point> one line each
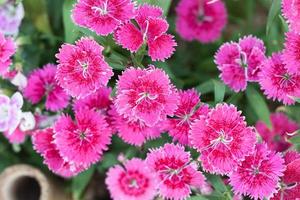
<point>173,172</point>
<point>133,183</point>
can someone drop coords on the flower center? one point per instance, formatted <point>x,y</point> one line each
<point>82,135</point>
<point>255,170</point>
<point>103,10</point>
<point>85,67</point>
<point>201,14</point>
<point>145,96</point>
<point>133,183</point>
<point>285,80</point>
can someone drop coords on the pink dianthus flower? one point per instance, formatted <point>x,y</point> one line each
<point>151,30</point>
<point>82,142</point>
<point>42,83</point>
<point>146,95</point>
<point>223,139</point>
<point>43,143</point>
<point>82,68</point>
<point>240,62</point>
<point>103,16</point>
<point>291,56</point>
<point>291,12</point>
<point>277,82</point>
<point>277,135</point>
<point>259,174</point>
<point>133,181</point>
<point>7,49</point>
<point>175,171</point>
<point>200,20</point>
<point>189,109</point>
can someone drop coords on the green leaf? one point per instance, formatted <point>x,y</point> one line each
<point>205,87</point>
<point>258,104</point>
<point>295,140</point>
<point>219,91</point>
<point>80,182</point>
<point>198,197</point>
<point>284,24</point>
<point>71,30</point>
<point>164,4</point>
<point>274,11</point>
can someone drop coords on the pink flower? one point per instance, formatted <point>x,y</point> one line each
<point>258,175</point>
<point>175,171</point>
<point>277,135</point>
<point>133,181</point>
<point>291,12</point>
<point>189,109</point>
<point>222,138</point>
<point>82,69</point>
<point>291,55</point>
<point>82,142</point>
<point>151,30</point>
<point>11,15</point>
<point>99,101</point>
<point>16,137</point>
<point>200,20</point>
<point>277,82</point>
<point>290,185</point>
<point>102,16</point>
<point>146,95</point>
<point>7,49</point>
<point>43,143</point>
<point>133,132</point>
<point>10,112</point>
<point>240,62</point>
<point>42,83</point>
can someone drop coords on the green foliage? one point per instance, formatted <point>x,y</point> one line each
<point>80,182</point>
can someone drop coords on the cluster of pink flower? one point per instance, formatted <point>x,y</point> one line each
<point>147,103</point>
<point>278,75</point>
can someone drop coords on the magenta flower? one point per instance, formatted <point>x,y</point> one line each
<point>189,109</point>
<point>146,95</point>
<point>16,137</point>
<point>99,101</point>
<point>10,112</point>
<point>133,181</point>
<point>82,69</point>
<point>276,137</point>
<point>240,62</point>
<point>43,143</point>
<point>82,142</point>
<point>133,132</point>
<point>291,12</point>
<point>290,184</point>
<point>223,139</point>
<point>151,30</point>
<point>42,83</point>
<point>200,20</point>
<point>259,174</point>
<point>102,16</point>
<point>290,55</point>
<point>175,171</point>
<point>277,82</point>
<point>11,15</point>
<point>7,49</point>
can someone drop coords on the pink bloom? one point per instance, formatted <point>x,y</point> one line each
<point>43,143</point>
<point>7,49</point>
<point>11,15</point>
<point>151,30</point>
<point>240,62</point>
<point>82,69</point>
<point>99,101</point>
<point>82,142</point>
<point>133,132</point>
<point>133,181</point>
<point>175,171</point>
<point>291,55</point>
<point>222,138</point>
<point>10,112</point>
<point>258,175</point>
<point>102,16</point>
<point>277,82</point>
<point>291,12</point>
<point>42,83</point>
<point>290,185</point>
<point>16,137</point>
<point>189,109</point>
<point>200,20</point>
<point>276,137</point>
<point>146,95</point>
